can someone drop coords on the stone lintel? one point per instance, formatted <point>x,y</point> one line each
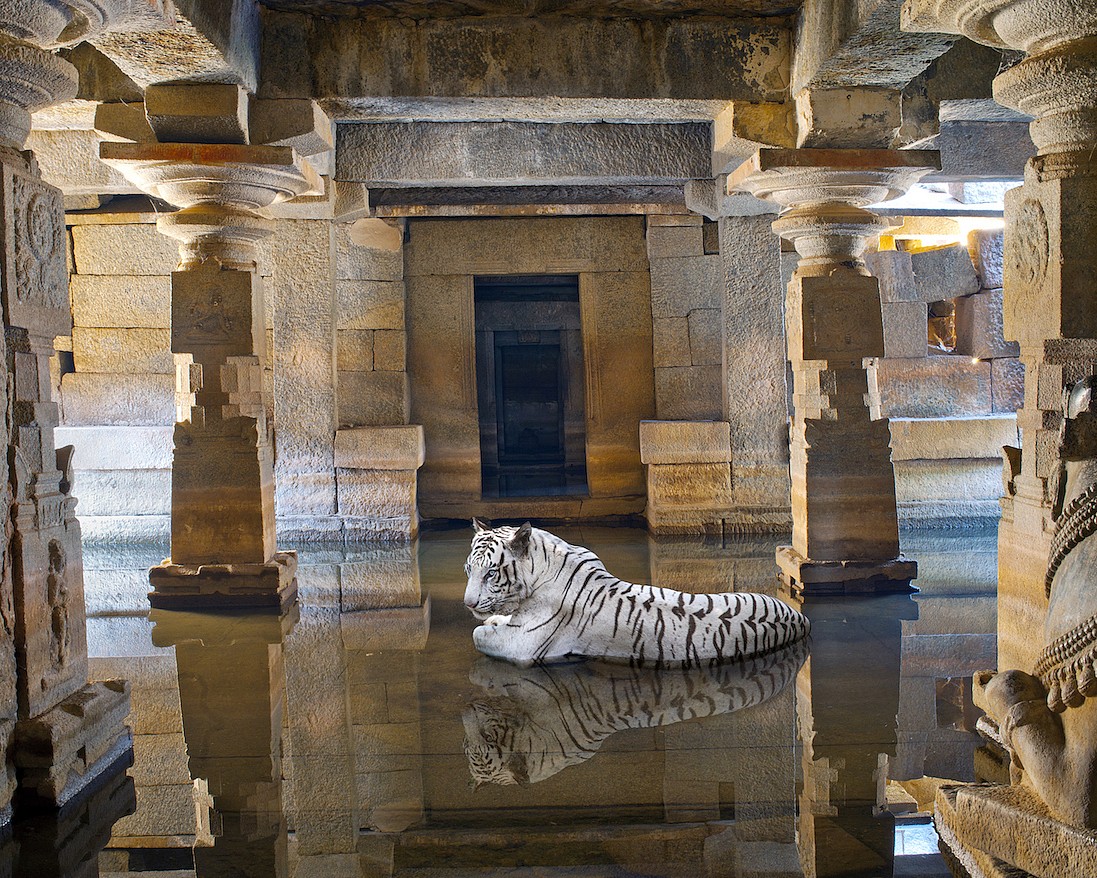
<point>951,438</point>
<point>525,200</point>
<point>807,578</point>
<point>558,57</point>
<point>198,112</point>
<point>223,586</point>
<point>380,448</point>
<point>521,153</point>
<point>672,442</point>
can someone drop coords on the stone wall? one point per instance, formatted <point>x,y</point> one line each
<point>442,257</point>
<point>947,374</point>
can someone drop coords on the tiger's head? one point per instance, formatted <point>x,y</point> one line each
<point>489,746</point>
<point>494,584</point>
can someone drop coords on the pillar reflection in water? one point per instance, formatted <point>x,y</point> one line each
<point>231,692</point>
<point>848,700</point>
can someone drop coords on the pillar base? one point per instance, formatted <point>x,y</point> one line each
<point>225,586</point>
<point>994,831</point>
<point>70,747</point>
<point>804,577</point>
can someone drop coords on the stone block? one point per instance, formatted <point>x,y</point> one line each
<point>373,398</point>
<point>160,760</point>
<point>979,329</point>
<point>670,241</point>
<point>380,448</point>
<point>934,387</point>
<point>892,268</point>
<point>671,341</point>
<point>353,262</point>
<point>680,442</point>
<point>689,393</point>
<point>905,329</point>
<point>837,118</point>
<point>124,492</point>
<point>369,304</point>
<point>69,160</point>
<point>390,350</point>
<point>711,238</point>
<point>117,400</point>
<point>124,121</point>
<point>387,578</point>
<point>121,302</point>
<point>986,248</point>
<point>690,484</point>
<point>128,351</point>
<point>299,124</point>
<point>127,250</point>
<point>377,493</point>
<point>955,437</point>
<point>354,350</point>
<point>681,285</point>
<point>377,234</point>
<point>706,337</point>
<point>944,273</point>
<point>117,448</point>
<point>1007,384</point>
<point>194,112</point>
<point>941,480</point>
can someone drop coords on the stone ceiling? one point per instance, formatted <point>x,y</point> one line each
<point>580,8</point>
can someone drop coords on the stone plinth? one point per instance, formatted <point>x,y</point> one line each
<point>376,473</point>
<point>192,586</point>
<point>845,521</point>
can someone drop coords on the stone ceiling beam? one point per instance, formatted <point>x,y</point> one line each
<point>527,201</point>
<point>699,59</point>
<point>506,153</point>
<point>856,43</point>
<point>207,40</point>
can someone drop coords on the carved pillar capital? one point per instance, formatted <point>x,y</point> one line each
<point>823,194</point>
<point>1056,83</point>
<point>222,190</point>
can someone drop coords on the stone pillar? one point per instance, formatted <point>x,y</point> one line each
<point>845,526</point>
<point>223,549</point>
<point>233,728</point>
<point>1050,260</point>
<point>67,733</point>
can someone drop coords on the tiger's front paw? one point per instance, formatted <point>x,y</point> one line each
<point>496,621</point>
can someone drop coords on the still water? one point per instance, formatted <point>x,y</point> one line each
<point>363,735</point>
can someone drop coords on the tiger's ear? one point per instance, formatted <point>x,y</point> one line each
<point>519,545</point>
<point>479,525</point>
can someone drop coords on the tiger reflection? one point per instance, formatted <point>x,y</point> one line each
<point>537,721</point>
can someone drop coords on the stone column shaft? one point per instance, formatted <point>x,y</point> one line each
<point>845,524</point>
<point>1050,262</point>
<point>223,548</point>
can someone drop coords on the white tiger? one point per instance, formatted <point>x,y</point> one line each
<point>542,599</point>
<point>537,721</point>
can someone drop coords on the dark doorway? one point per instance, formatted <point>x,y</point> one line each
<point>529,370</point>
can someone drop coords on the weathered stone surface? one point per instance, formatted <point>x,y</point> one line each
<point>948,438</point>
<point>125,492</point>
<point>121,302</point>
<point>841,118</point>
<point>70,161</point>
<point>706,337</point>
<point>114,448</point>
<point>198,112</point>
<point>123,120</point>
<point>497,153</point>
<point>944,273</point>
<point>580,244</point>
<point>377,494</point>
<point>669,241</point>
<point>354,349</point>
<point>116,400</point>
<point>905,329</point>
<point>983,150</point>
<point>679,442</point>
<point>354,262</point>
<point>380,448</point>
<point>300,124</point>
<point>893,270</point>
<point>944,480</point>
<point>370,304</point>
<point>670,338</point>
<point>1007,384</point>
<point>373,398</point>
<point>979,329</point>
<point>136,249</point>
<point>557,57</point>
<point>390,350</point>
<point>130,351</point>
<point>934,387</point>
<point>691,484</point>
<point>986,247</point>
<point>688,393</point>
<point>679,286</point>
